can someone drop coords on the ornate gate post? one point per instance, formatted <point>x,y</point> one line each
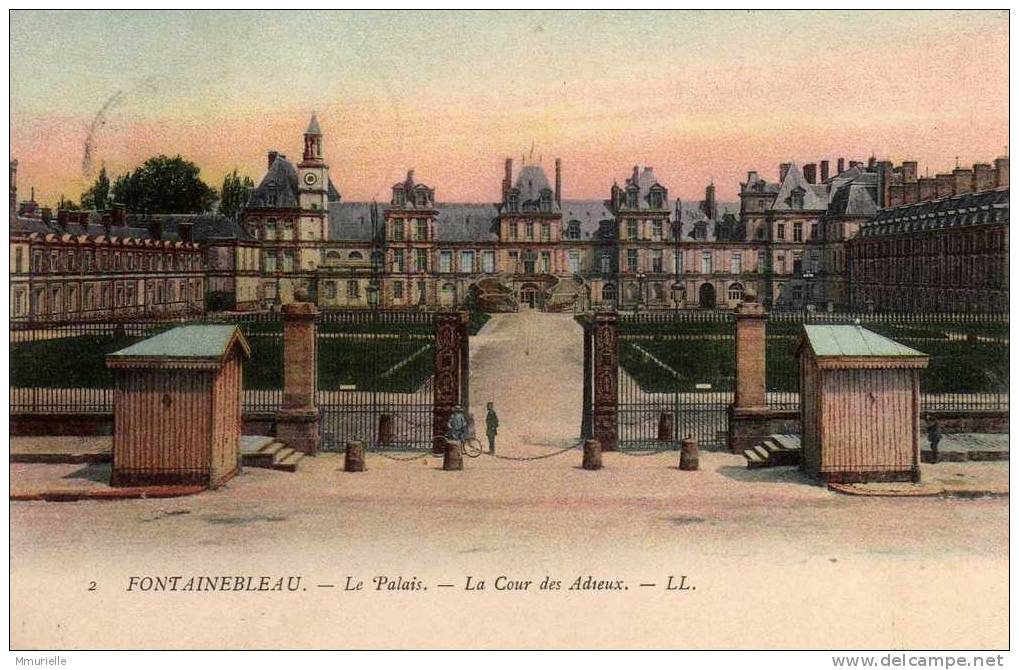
<point>606,379</point>
<point>297,422</point>
<point>449,367</point>
<point>587,402</point>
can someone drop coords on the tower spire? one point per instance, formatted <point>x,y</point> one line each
<point>313,140</point>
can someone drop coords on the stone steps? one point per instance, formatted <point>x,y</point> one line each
<point>269,453</point>
<point>775,450</point>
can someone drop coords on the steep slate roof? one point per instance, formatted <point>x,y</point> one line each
<point>854,194</point>
<point>139,226</point>
<point>352,222</point>
<point>815,196</point>
<point>969,209</point>
<point>462,222</point>
<point>279,188</point>
<point>531,181</point>
<point>313,128</point>
<point>590,214</point>
<point>645,181</point>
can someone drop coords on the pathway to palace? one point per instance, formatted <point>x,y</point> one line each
<point>530,364</point>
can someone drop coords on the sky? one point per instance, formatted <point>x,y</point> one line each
<point>700,96</point>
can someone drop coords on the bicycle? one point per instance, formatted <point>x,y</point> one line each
<point>469,446</point>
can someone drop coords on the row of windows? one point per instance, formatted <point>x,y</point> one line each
<point>418,229</point>
<point>64,298</point>
<point>780,231</point>
<point>71,260</point>
<point>956,243</point>
<point>970,271</point>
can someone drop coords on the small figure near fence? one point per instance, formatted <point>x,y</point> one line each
<point>458,424</point>
<point>934,435</point>
<point>491,427</point>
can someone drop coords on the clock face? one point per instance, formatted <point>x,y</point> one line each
<point>310,178</point>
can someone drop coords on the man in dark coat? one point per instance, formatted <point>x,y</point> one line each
<point>934,435</point>
<point>491,427</point>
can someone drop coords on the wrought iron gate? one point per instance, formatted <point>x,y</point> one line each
<point>675,375</point>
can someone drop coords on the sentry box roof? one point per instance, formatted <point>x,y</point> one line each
<point>194,347</point>
<point>855,346</point>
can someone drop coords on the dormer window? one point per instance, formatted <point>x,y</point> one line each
<point>796,198</point>
<point>546,201</point>
<point>657,199</point>
<point>513,202</point>
<point>631,198</point>
<point>399,197</point>
<point>573,230</point>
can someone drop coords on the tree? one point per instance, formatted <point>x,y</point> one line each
<point>164,185</point>
<point>98,194</point>
<point>235,194</point>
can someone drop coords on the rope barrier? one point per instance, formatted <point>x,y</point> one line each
<point>534,458</point>
<point>418,457</point>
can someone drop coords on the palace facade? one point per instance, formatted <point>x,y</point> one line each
<point>811,239</point>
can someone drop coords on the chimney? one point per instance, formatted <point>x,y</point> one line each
<point>14,186</point>
<point>119,214</point>
<point>810,173</point>
<point>841,166</point>
<point>558,182</point>
<point>884,172</point>
<point>825,167</point>
<point>944,184</point>
<point>185,232</point>
<point>636,176</point>
<point>910,192</point>
<point>983,177</point>
<point>908,172</point>
<point>273,155</point>
<point>896,195</point>
<point>711,206</point>
<point>47,215</point>
<point>871,162</point>
<point>928,189</point>
<point>963,181</point>
<point>507,179</point>
<point>783,170</point>
<point>1001,171</point>
<point>63,217</point>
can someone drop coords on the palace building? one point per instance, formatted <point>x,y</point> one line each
<point>815,238</point>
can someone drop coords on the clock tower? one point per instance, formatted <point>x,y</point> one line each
<point>312,172</point>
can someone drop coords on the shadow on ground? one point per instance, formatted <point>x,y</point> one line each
<point>777,475</point>
<point>97,472</point>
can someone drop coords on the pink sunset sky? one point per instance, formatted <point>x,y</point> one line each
<point>698,95</point>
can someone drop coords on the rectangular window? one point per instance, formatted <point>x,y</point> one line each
<point>813,231</point>
<point>606,263</point>
<point>288,230</point>
<point>398,230</point>
<point>270,229</point>
<point>421,229</point>
<point>797,232</point>
<point>466,261</point>
<point>706,262</point>
<point>488,261</point>
<point>631,260</point>
<point>530,230</point>
<point>780,231</point>
<point>656,229</point>
<point>514,231</point>
<point>421,260</point>
<point>546,232</point>
<point>631,229</point>
<point>398,260</point>
<point>353,289</point>
<point>445,261</point>
<point>270,261</point>
<point>398,290</point>
<point>736,267</point>
<point>656,260</point>
<point>546,261</point>
<point>514,261</point>
<point>289,261</point>
<point>574,262</point>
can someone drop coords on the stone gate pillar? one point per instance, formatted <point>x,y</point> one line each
<point>588,390</point>
<point>297,422</point>
<point>606,379</point>
<point>449,369</point>
<point>749,410</point>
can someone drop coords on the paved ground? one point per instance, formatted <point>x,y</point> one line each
<point>775,561</point>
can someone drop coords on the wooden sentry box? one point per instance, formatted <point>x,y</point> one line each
<point>859,405</point>
<point>177,407</point>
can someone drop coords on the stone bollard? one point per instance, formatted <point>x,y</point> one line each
<point>592,455</point>
<point>689,456</point>
<point>453,456</point>
<point>385,429</point>
<point>666,427</point>
<point>353,461</point>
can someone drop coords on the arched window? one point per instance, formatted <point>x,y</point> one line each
<point>735,292</point>
<point>608,293</point>
<point>333,257</point>
<point>355,256</point>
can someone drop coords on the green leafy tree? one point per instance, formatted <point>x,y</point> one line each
<point>234,194</point>
<point>163,185</point>
<point>98,194</point>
